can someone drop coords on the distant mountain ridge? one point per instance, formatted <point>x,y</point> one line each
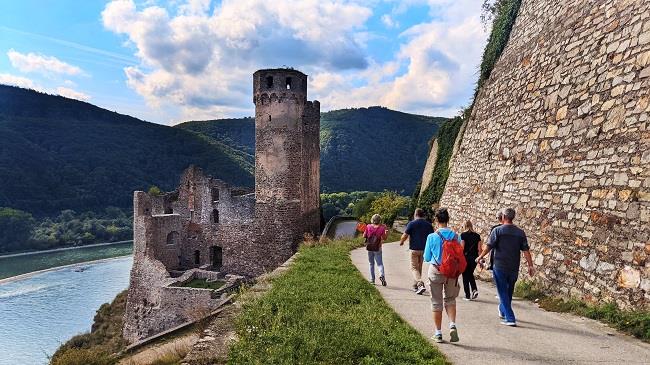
<point>362,149</point>
<point>58,153</point>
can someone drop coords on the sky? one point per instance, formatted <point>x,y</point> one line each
<point>172,61</point>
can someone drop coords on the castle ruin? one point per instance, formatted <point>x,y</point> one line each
<point>207,229</point>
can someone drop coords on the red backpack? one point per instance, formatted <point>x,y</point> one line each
<point>453,260</point>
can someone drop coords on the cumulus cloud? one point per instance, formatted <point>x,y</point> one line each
<point>440,60</point>
<point>47,65</point>
<point>199,56</point>
<point>9,79</point>
<point>198,59</point>
<point>72,94</point>
<point>13,80</point>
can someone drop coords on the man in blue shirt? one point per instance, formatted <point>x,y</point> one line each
<point>507,241</point>
<point>417,232</point>
<point>438,283</point>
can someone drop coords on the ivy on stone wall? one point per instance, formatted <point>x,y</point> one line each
<point>504,16</point>
<point>446,138</point>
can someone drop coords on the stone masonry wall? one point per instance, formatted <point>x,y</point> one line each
<point>561,133</point>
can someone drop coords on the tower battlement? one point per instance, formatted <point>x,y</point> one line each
<point>279,85</point>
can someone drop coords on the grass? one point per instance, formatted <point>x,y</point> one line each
<point>635,323</point>
<point>203,284</point>
<point>322,311</point>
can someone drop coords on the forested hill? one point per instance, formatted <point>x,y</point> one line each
<point>58,153</point>
<point>370,149</point>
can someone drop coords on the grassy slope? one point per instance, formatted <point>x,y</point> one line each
<point>353,146</point>
<point>58,153</point>
<point>322,311</point>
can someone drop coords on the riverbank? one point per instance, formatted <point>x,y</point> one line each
<point>79,264</point>
<point>17,265</point>
<point>27,253</point>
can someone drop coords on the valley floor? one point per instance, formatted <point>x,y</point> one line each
<point>541,336</point>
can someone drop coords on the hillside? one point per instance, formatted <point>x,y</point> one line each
<point>369,149</point>
<point>58,153</point>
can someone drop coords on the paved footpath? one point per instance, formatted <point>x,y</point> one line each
<point>541,337</point>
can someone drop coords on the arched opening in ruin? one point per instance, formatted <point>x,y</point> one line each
<point>172,238</point>
<point>197,257</point>
<point>288,83</point>
<point>216,256</point>
<point>269,82</point>
<point>215,216</point>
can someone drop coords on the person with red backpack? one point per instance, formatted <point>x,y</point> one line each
<point>374,235</point>
<point>444,252</point>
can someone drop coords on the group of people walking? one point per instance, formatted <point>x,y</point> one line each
<point>451,255</point>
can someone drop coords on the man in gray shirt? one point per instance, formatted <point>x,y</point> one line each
<point>507,241</point>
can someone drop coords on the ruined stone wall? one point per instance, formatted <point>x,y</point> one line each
<point>310,173</point>
<point>560,132</point>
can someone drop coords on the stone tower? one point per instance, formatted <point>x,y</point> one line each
<point>287,151</point>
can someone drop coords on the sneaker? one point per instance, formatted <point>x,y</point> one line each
<point>453,332</point>
<point>415,288</point>
<point>421,289</point>
<point>475,294</point>
<point>383,280</point>
<point>509,324</point>
<point>467,299</point>
<point>372,282</point>
<point>438,338</point>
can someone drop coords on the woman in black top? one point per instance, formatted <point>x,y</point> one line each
<point>472,247</point>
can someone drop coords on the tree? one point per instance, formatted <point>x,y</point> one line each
<point>389,205</point>
<point>16,228</point>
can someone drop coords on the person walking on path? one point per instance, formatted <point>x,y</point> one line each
<point>507,241</point>
<point>472,247</point>
<point>417,232</point>
<point>375,234</point>
<point>444,290</point>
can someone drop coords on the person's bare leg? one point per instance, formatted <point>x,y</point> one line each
<point>437,319</point>
<point>451,312</point>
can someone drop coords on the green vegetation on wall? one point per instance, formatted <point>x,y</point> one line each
<point>446,138</point>
<point>503,14</point>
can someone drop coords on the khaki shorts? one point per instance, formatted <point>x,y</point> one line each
<point>443,290</point>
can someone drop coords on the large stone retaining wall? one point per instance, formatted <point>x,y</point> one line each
<point>560,133</point>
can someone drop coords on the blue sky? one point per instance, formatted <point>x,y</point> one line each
<point>171,61</point>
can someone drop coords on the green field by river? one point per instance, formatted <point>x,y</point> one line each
<point>17,265</point>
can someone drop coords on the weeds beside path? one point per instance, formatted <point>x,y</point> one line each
<point>322,311</point>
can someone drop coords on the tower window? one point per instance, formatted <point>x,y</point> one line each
<point>172,238</point>
<point>215,194</point>
<point>197,257</point>
<point>288,83</point>
<point>269,82</point>
<point>169,210</point>
<point>215,216</point>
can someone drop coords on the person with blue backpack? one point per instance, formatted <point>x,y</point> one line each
<point>444,252</point>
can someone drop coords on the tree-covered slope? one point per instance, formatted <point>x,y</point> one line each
<point>58,153</point>
<point>365,149</point>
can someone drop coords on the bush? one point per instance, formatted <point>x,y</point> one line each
<point>16,228</point>
<point>104,339</point>
<point>389,205</point>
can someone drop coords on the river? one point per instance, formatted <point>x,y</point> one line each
<point>40,311</point>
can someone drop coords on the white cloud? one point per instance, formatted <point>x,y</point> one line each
<point>199,58</point>
<point>389,22</point>
<point>13,80</point>
<point>439,59</point>
<point>72,94</point>
<point>8,79</point>
<point>47,65</point>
